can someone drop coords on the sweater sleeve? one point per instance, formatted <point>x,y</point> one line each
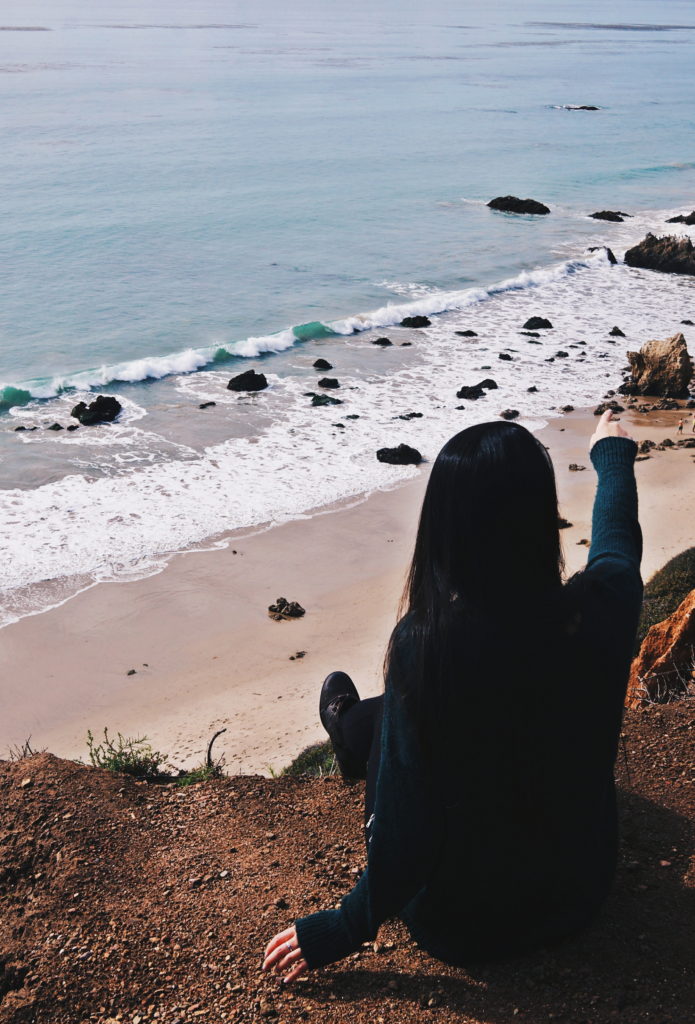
<point>612,575</point>
<point>403,847</point>
<point>615,531</point>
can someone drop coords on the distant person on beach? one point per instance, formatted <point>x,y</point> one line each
<point>693,426</point>
<point>680,426</point>
<point>490,806</point>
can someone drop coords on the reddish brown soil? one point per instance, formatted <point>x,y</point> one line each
<point>150,903</point>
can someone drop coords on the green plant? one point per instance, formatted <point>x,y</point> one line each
<point>132,756</point>
<point>665,591</point>
<point>317,760</point>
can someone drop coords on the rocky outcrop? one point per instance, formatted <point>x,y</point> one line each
<point>284,609</point>
<point>509,414</point>
<point>537,323</point>
<point>415,321</point>
<point>670,255</point>
<point>615,332</point>
<point>403,455</point>
<point>249,380</point>
<point>104,409</point>
<point>664,665</point>
<point>322,364</point>
<point>329,382</point>
<point>466,334</point>
<point>660,368</point>
<point>512,204</point>
<point>614,215</point>
<point>682,218</point>
<point>382,342</point>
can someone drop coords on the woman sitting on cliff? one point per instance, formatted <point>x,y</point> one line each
<point>490,802</point>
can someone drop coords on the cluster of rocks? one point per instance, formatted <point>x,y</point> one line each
<point>104,409</point>
<point>284,609</point>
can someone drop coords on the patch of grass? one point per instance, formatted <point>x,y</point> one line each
<point>665,591</point>
<point>203,773</point>
<point>211,768</point>
<point>130,755</point>
<point>316,761</point>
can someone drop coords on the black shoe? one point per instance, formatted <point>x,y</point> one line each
<point>338,695</point>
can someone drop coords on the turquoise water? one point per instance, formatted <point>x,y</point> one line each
<point>184,183</point>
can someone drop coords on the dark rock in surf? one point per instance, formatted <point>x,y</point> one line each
<point>466,334</point>
<point>688,323</point>
<point>512,204</point>
<point>610,255</point>
<point>615,332</point>
<point>72,426</point>
<point>403,455</point>
<point>532,390</point>
<point>249,380</point>
<point>322,364</point>
<point>682,218</point>
<point>207,405</point>
<point>537,323</point>
<point>329,382</point>
<point>567,408</point>
<point>55,426</point>
<point>474,391</point>
<point>416,321</point>
<point>617,216</point>
<point>406,344</point>
<point>562,355</point>
<point>670,255</point>
<point>104,409</point>
<point>409,416</point>
<point>505,356</point>
<point>563,524</point>
<point>322,399</point>
<point>382,342</point>
<point>530,334</point>
<point>509,414</point>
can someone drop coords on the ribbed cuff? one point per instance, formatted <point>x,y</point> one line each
<point>613,451</point>
<point>323,938</point>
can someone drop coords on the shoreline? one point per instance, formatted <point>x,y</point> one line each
<point>207,656</point>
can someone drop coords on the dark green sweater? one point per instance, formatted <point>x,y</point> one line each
<point>510,843</point>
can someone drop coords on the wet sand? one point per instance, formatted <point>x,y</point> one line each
<point>207,656</point>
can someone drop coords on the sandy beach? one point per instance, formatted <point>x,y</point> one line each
<point>207,656</point>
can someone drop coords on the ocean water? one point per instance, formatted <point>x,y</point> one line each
<point>193,189</point>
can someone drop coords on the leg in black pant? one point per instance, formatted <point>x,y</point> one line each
<point>354,727</point>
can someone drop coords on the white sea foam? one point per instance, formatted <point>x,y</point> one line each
<point>295,458</point>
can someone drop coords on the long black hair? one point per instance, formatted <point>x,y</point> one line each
<point>487,557</point>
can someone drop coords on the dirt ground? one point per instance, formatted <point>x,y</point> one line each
<point>136,902</point>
